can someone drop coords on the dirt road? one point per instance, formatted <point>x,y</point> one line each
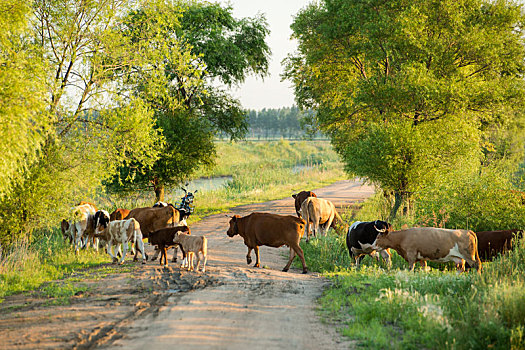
<point>231,306</point>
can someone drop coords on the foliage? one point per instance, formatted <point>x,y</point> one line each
<point>446,73</point>
<point>189,107</point>
<point>24,122</point>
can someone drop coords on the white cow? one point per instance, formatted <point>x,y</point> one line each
<point>121,232</point>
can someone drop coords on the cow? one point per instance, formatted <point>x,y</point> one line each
<point>361,237</point>
<point>271,230</point>
<point>163,239</point>
<point>299,199</point>
<point>66,233</point>
<point>121,232</point>
<point>183,212</point>
<point>81,225</point>
<point>118,214</point>
<point>193,245</point>
<point>317,211</point>
<point>492,243</point>
<point>432,244</point>
<point>153,219</point>
<point>84,203</point>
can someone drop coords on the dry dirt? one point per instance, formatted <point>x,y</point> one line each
<point>231,306</point>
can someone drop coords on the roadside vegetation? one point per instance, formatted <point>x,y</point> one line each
<point>440,309</point>
<point>260,171</point>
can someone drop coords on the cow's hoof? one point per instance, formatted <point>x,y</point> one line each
<point>285,270</point>
<point>248,261</point>
<point>135,259</point>
<point>174,260</point>
<point>256,265</point>
<point>144,262</point>
<point>305,271</point>
<point>153,259</point>
<point>114,260</point>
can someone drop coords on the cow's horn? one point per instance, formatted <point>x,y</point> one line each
<point>378,230</point>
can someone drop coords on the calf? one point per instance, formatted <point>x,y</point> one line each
<point>121,232</point>
<point>361,237</point>
<point>433,244</point>
<point>193,245</point>
<point>492,243</point>
<point>270,230</point>
<point>163,239</point>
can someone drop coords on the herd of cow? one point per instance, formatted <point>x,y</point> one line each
<point>165,226</point>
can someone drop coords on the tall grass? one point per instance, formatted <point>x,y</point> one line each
<point>260,171</point>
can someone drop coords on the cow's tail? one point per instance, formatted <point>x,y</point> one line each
<point>477,261</point>
<point>305,213</point>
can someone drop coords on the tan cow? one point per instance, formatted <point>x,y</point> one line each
<point>432,244</point>
<point>119,214</point>
<point>81,225</point>
<point>299,199</point>
<point>270,230</point>
<point>120,232</point>
<point>318,211</point>
<point>193,245</point>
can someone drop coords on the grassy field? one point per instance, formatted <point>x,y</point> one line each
<point>259,171</point>
<point>397,309</point>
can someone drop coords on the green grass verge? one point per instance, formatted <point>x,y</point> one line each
<point>397,309</point>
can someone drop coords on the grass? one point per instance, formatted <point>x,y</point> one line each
<point>260,171</point>
<point>397,309</point>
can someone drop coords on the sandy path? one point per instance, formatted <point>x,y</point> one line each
<point>246,307</point>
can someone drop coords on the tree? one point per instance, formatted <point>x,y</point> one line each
<point>189,107</point>
<point>24,121</point>
<point>410,90</point>
<point>88,121</point>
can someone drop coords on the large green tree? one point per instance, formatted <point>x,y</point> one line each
<point>412,91</point>
<point>24,123</point>
<point>190,105</point>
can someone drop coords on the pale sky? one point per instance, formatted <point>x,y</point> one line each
<point>257,93</point>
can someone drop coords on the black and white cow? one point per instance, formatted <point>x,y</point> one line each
<point>361,237</point>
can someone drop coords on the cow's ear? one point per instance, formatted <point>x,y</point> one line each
<point>294,195</point>
<point>234,218</point>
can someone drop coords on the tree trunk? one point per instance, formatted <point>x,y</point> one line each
<point>397,203</point>
<point>158,187</point>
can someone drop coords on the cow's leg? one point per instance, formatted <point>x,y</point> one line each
<point>156,253</point>
<point>249,256</point>
<point>292,256</point>
<point>164,255</point>
<point>204,259</point>
<point>110,248</point>
<point>257,260</point>
<point>175,251</point>
<point>299,252</point>
<point>198,256</point>
<point>190,261</point>
<point>142,250</point>
<point>385,253</point>
<point>184,256</point>
<point>327,226</point>
<point>307,231</point>
<point>124,251</point>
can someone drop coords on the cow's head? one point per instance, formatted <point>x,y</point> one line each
<point>233,229</point>
<point>176,237</point>
<point>101,221</point>
<point>383,229</point>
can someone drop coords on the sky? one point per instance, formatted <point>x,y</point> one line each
<point>270,92</point>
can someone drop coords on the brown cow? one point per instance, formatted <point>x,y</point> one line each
<point>270,230</point>
<point>118,214</point>
<point>163,239</point>
<point>299,199</point>
<point>153,219</point>
<point>433,244</point>
<point>492,243</point>
<point>318,211</point>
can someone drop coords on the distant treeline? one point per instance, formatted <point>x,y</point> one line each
<point>287,122</point>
